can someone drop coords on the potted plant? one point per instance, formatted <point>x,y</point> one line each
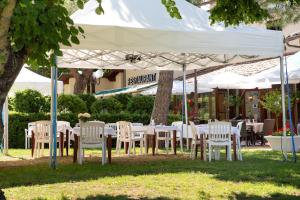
<point>272,102</point>
<point>83,117</point>
<point>280,143</point>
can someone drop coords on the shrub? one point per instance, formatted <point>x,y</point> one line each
<point>17,124</point>
<point>140,104</point>
<point>109,105</point>
<point>29,101</point>
<point>47,106</point>
<point>89,99</point>
<point>123,99</point>
<point>71,103</point>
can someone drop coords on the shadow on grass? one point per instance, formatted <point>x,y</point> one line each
<point>274,196</point>
<point>260,166</point>
<point>108,197</point>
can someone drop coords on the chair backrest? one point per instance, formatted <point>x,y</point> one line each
<point>240,126</point>
<point>136,124</point>
<point>42,130</point>
<point>91,132</point>
<point>194,130</point>
<point>113,126</point>
<point>125,129</point>
<point>243,131</point>
<point>268,127</point>
<point>219,131</point>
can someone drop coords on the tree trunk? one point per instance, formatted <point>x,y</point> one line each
<point>81,80</point>
<point>163,97</point>
<point>9,73</point>
<point>93,85</point>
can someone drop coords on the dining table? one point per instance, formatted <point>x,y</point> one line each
<point>254,127</point>
<point>63,130</point>
<point>150,133</point>
<point>109,132</point>
<point>203,131</point>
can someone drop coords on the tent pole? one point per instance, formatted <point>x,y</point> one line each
<point>283,107</point>
<point>53,149</point>
<point>5,120</point>
<point>185,105</point>
<point>228,105</point>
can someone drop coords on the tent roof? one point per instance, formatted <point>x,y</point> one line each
<point>228,80</point>
<point>140,34</point>
<point>28,79</point>
<point>272,75</point>
<point>177,89</point>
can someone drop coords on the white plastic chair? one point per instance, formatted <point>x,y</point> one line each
<point>179,133</point>
<point>165,136</point>
<point>219,135</point>
<point>42,135</point>
<point>195,141</point>
<point>238,141</point>
<point>92,137</point>
<point>126,135</point>
<point>28,134</point>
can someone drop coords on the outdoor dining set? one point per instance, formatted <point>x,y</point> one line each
<point>210,138</point>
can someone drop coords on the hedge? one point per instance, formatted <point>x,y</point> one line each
<point>19,121</point>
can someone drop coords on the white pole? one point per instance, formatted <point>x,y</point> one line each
<point>185,105</point>
<point>5,145</point>
<point>282,78</point>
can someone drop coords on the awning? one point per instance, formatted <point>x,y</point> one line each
<point>140,34</point>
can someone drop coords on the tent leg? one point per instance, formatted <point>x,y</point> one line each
<point>5,120</point>
<point>53,147</point>
<point>185,105</point>
<point>283,108</point>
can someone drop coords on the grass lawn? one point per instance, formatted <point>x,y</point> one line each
<point>262,175</point>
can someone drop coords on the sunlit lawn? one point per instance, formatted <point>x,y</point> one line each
<point>262,175</point>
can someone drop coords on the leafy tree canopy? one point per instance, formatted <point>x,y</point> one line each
<point>234,12</point>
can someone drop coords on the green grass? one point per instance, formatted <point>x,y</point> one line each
<point>262,175</point>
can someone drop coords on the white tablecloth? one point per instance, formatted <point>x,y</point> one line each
<point>203,129</point>
<point>256,127</point>
<point>61,127</point>
<point>150,130</point>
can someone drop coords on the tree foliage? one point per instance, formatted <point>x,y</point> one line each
<point>234,12</point>
<point>71,103</point>
<point>30,101</point>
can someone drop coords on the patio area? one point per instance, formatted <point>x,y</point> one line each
<point>261,175</point>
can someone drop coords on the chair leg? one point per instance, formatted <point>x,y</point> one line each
<point>133,145</point>
<point>209,153</point>
<point>129,147</point>
<point>181,144</point>
<point>156,146</point>
<point>229,153</point>
<point>240,150</point>
<point>141,146</point>
<point>262,140</point>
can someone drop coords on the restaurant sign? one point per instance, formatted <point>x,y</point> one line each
<point>142,79</point>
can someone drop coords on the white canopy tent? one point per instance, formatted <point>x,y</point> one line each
<point>229,80</point>
<point>177,89</point>
<point>140,34</point>
<point>28,79</point>
<point>272,75</point>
